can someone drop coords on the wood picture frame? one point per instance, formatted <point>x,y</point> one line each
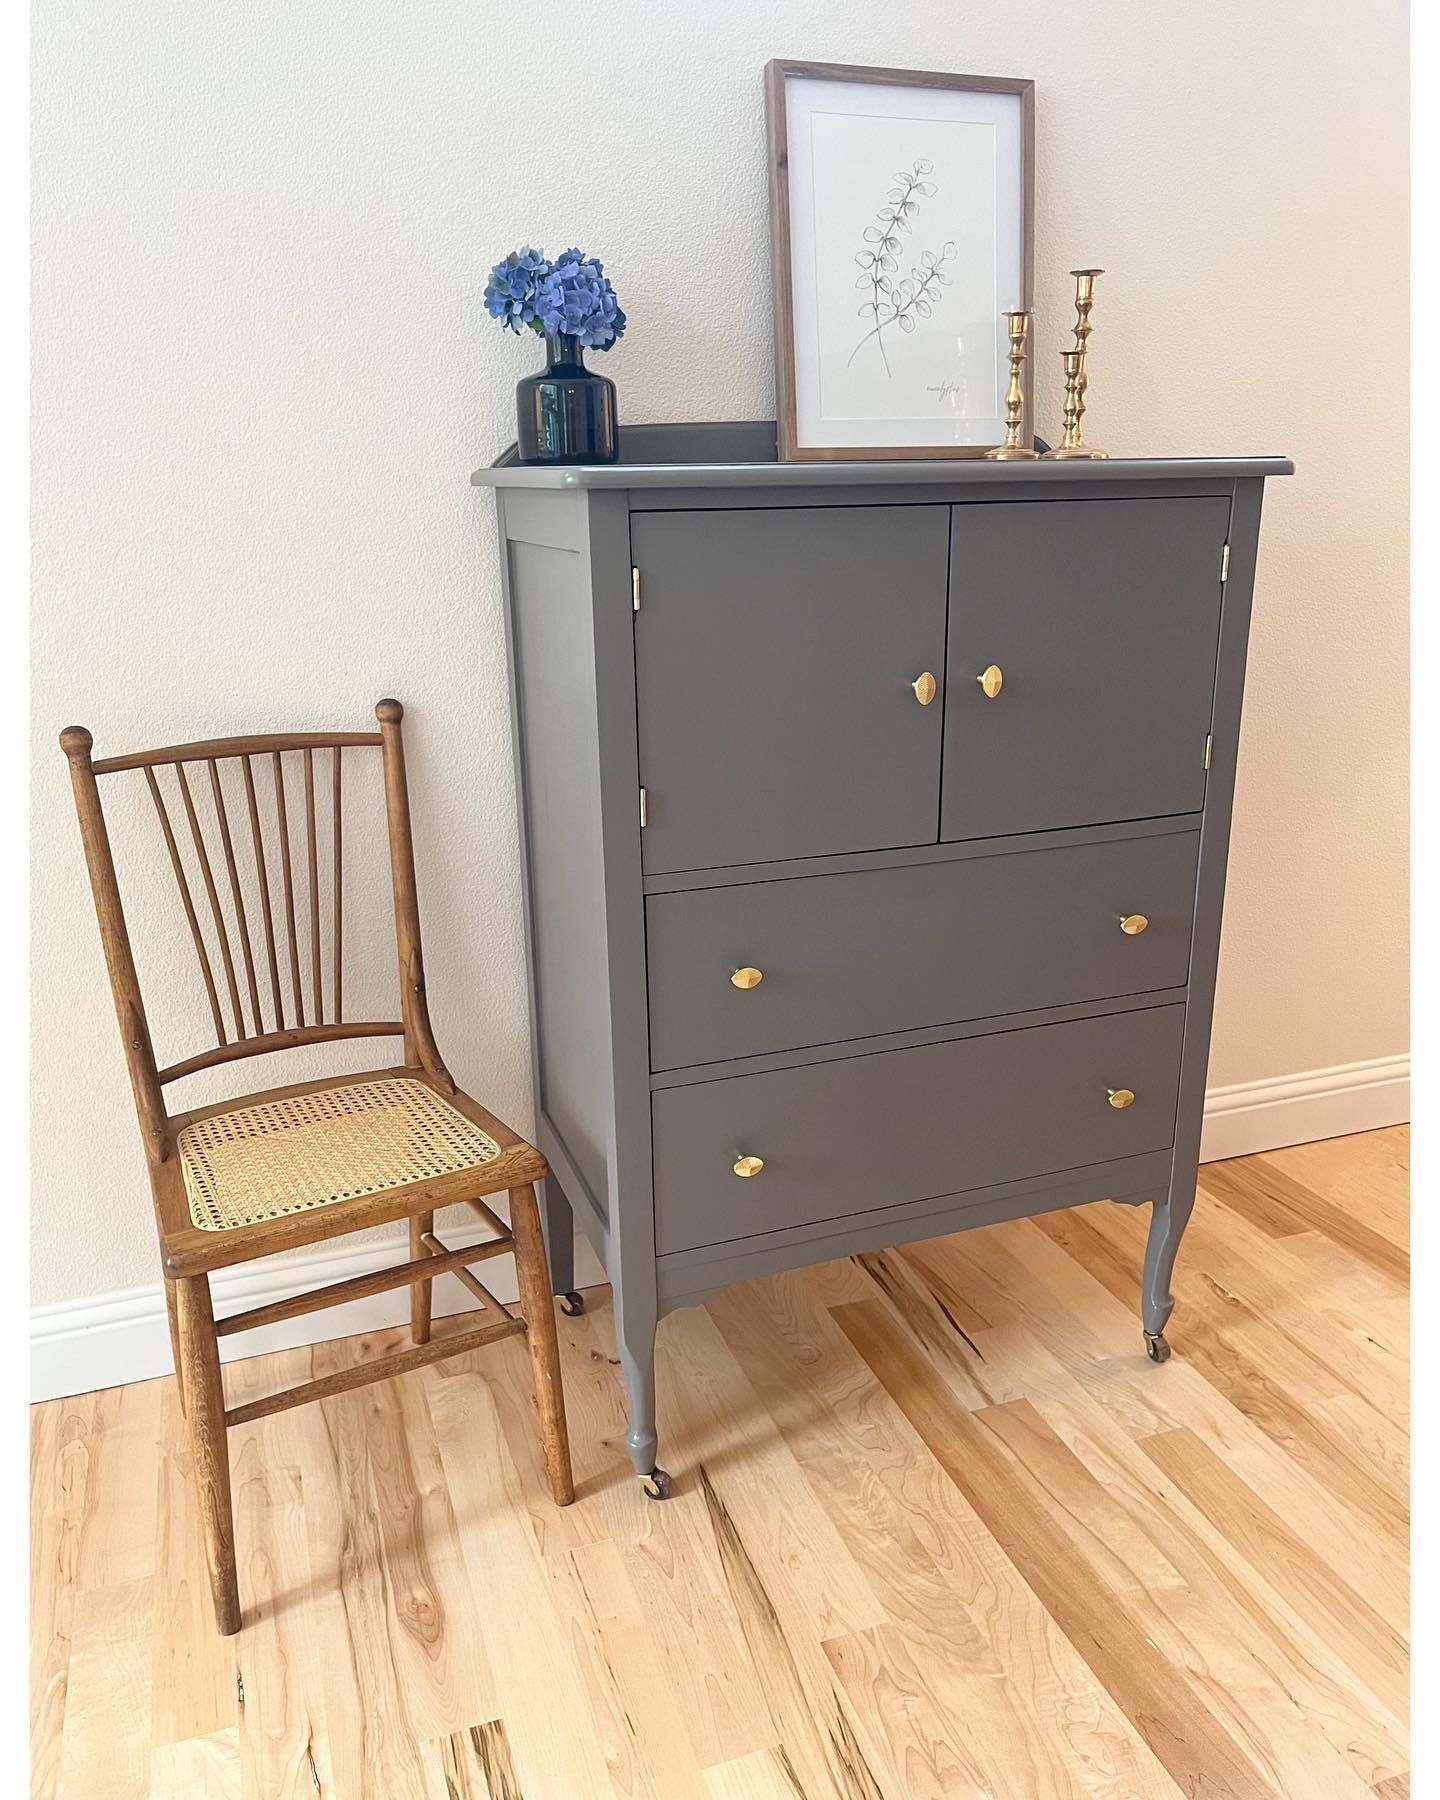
<point>805,432</point>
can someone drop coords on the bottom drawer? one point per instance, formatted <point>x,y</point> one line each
<point>840,1137</point>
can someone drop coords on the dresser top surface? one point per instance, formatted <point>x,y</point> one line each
<point>742,453</point>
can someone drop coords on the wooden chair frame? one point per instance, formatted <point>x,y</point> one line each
<point>188,1253</point>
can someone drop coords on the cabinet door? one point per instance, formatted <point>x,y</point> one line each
<point>774,656</point>
<point>1102,617</point>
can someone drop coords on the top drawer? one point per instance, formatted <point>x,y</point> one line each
<point>774,656</point>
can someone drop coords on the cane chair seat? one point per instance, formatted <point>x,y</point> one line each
<point>292,1154</point>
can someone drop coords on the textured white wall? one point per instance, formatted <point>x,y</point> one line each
<point>263,377</point>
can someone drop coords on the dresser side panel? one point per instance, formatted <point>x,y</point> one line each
<point>554,676</point>
<point>1244,540</point>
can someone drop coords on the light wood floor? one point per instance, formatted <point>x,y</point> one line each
<point>939,1529</point>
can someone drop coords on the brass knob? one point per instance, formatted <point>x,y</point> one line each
<point>924,686</point>
<point>747,978</point>
<point>1133,924</point>
<point>1120,1098</point>
<point>991,681</point>
<point>746,1166</point>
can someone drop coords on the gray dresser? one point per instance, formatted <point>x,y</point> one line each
<point>875,825</point>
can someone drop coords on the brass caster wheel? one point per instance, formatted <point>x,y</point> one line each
<point>1155,1346</point>
<point>572,1305</point>
<point>656,1484</point>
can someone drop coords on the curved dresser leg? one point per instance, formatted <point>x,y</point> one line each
<point>635,1323</point>
<point>559,1223</point>
<point>1168,1218</point>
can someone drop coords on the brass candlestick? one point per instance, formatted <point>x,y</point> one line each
<point>1073,446</point>
<point>1012,450</point>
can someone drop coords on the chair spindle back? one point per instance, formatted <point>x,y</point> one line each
<point>252,967</point>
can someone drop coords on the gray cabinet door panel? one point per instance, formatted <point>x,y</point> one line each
<point>774,652</point>
<point>1103,616</point>
<point>857,955</point>
<point>901,1125</point>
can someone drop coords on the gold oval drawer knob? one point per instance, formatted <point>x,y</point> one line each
<point>1133,924</point>
<point>747,978</point>
<point>924,686</point>
<point>746,1166</point>
<point>991,681</point>
<point>1120,1098</point>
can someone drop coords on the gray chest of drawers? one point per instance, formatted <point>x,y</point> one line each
<point>875,821</point>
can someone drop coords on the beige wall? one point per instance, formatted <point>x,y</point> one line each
<point>263,377</point>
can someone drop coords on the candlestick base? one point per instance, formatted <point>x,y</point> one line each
<point>1010,453</point>
<point>1081,455</point>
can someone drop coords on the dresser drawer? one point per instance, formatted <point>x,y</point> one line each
<point>863,1132</point>
<point>857,955</point>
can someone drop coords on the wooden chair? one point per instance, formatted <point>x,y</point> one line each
<point>296,1165</point>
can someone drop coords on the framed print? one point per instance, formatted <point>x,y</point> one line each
<point>900,227</point>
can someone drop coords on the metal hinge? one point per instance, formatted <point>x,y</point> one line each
<point>635,589</point>
<point>644,809</point>
<point>1209,740</point>
<point>1224,566</point>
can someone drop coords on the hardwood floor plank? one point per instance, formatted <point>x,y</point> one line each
<point>198,1768</point>
<point>62,1464</point>
<point>1249,1179</point>
<point>953,1597</point>
<point>195,1680</point>
<point>804,1706</point>
<point>117,1538</point>
<point>704,1392</point>
<point>651,1754</point>
<point>1375,1652</point>
<point>282,1650</point>
<point>1367,1174</point>
<point>1152,1691</point>
<point>1293,1682</point>
<point>474,1764</point>
<point>542,1696</point>
<point>1145,1401</point>
<point>1269,1685</point>
<point>106,1747</point>
<point>1274,1385</point>
<point>670,1563</point>
<point>379,1665</point>
<point>762,1775</point>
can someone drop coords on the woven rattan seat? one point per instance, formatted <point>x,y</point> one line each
<point>289,1155</point>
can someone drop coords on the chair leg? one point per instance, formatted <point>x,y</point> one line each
<point>175,1342</point>
<point>539,1311</point>
<point>209,1451</point>
<point>420,1290</point>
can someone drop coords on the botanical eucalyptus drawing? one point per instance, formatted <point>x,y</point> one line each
<point>901,302</point>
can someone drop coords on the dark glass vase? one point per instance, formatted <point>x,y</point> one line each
<point>566,413</point>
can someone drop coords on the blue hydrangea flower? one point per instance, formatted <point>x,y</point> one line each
<point>510,291</point>
<point>575,299</point>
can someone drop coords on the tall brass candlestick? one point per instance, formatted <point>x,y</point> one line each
<point>1013,450</point>
<point>1073,446</point>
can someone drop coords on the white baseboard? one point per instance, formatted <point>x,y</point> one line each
<point>1253,1116</point>
<point>110,1339</point>
<point>120,1337</point>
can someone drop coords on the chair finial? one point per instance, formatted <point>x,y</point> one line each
<point>75,741</point>
<point>389,712</point>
